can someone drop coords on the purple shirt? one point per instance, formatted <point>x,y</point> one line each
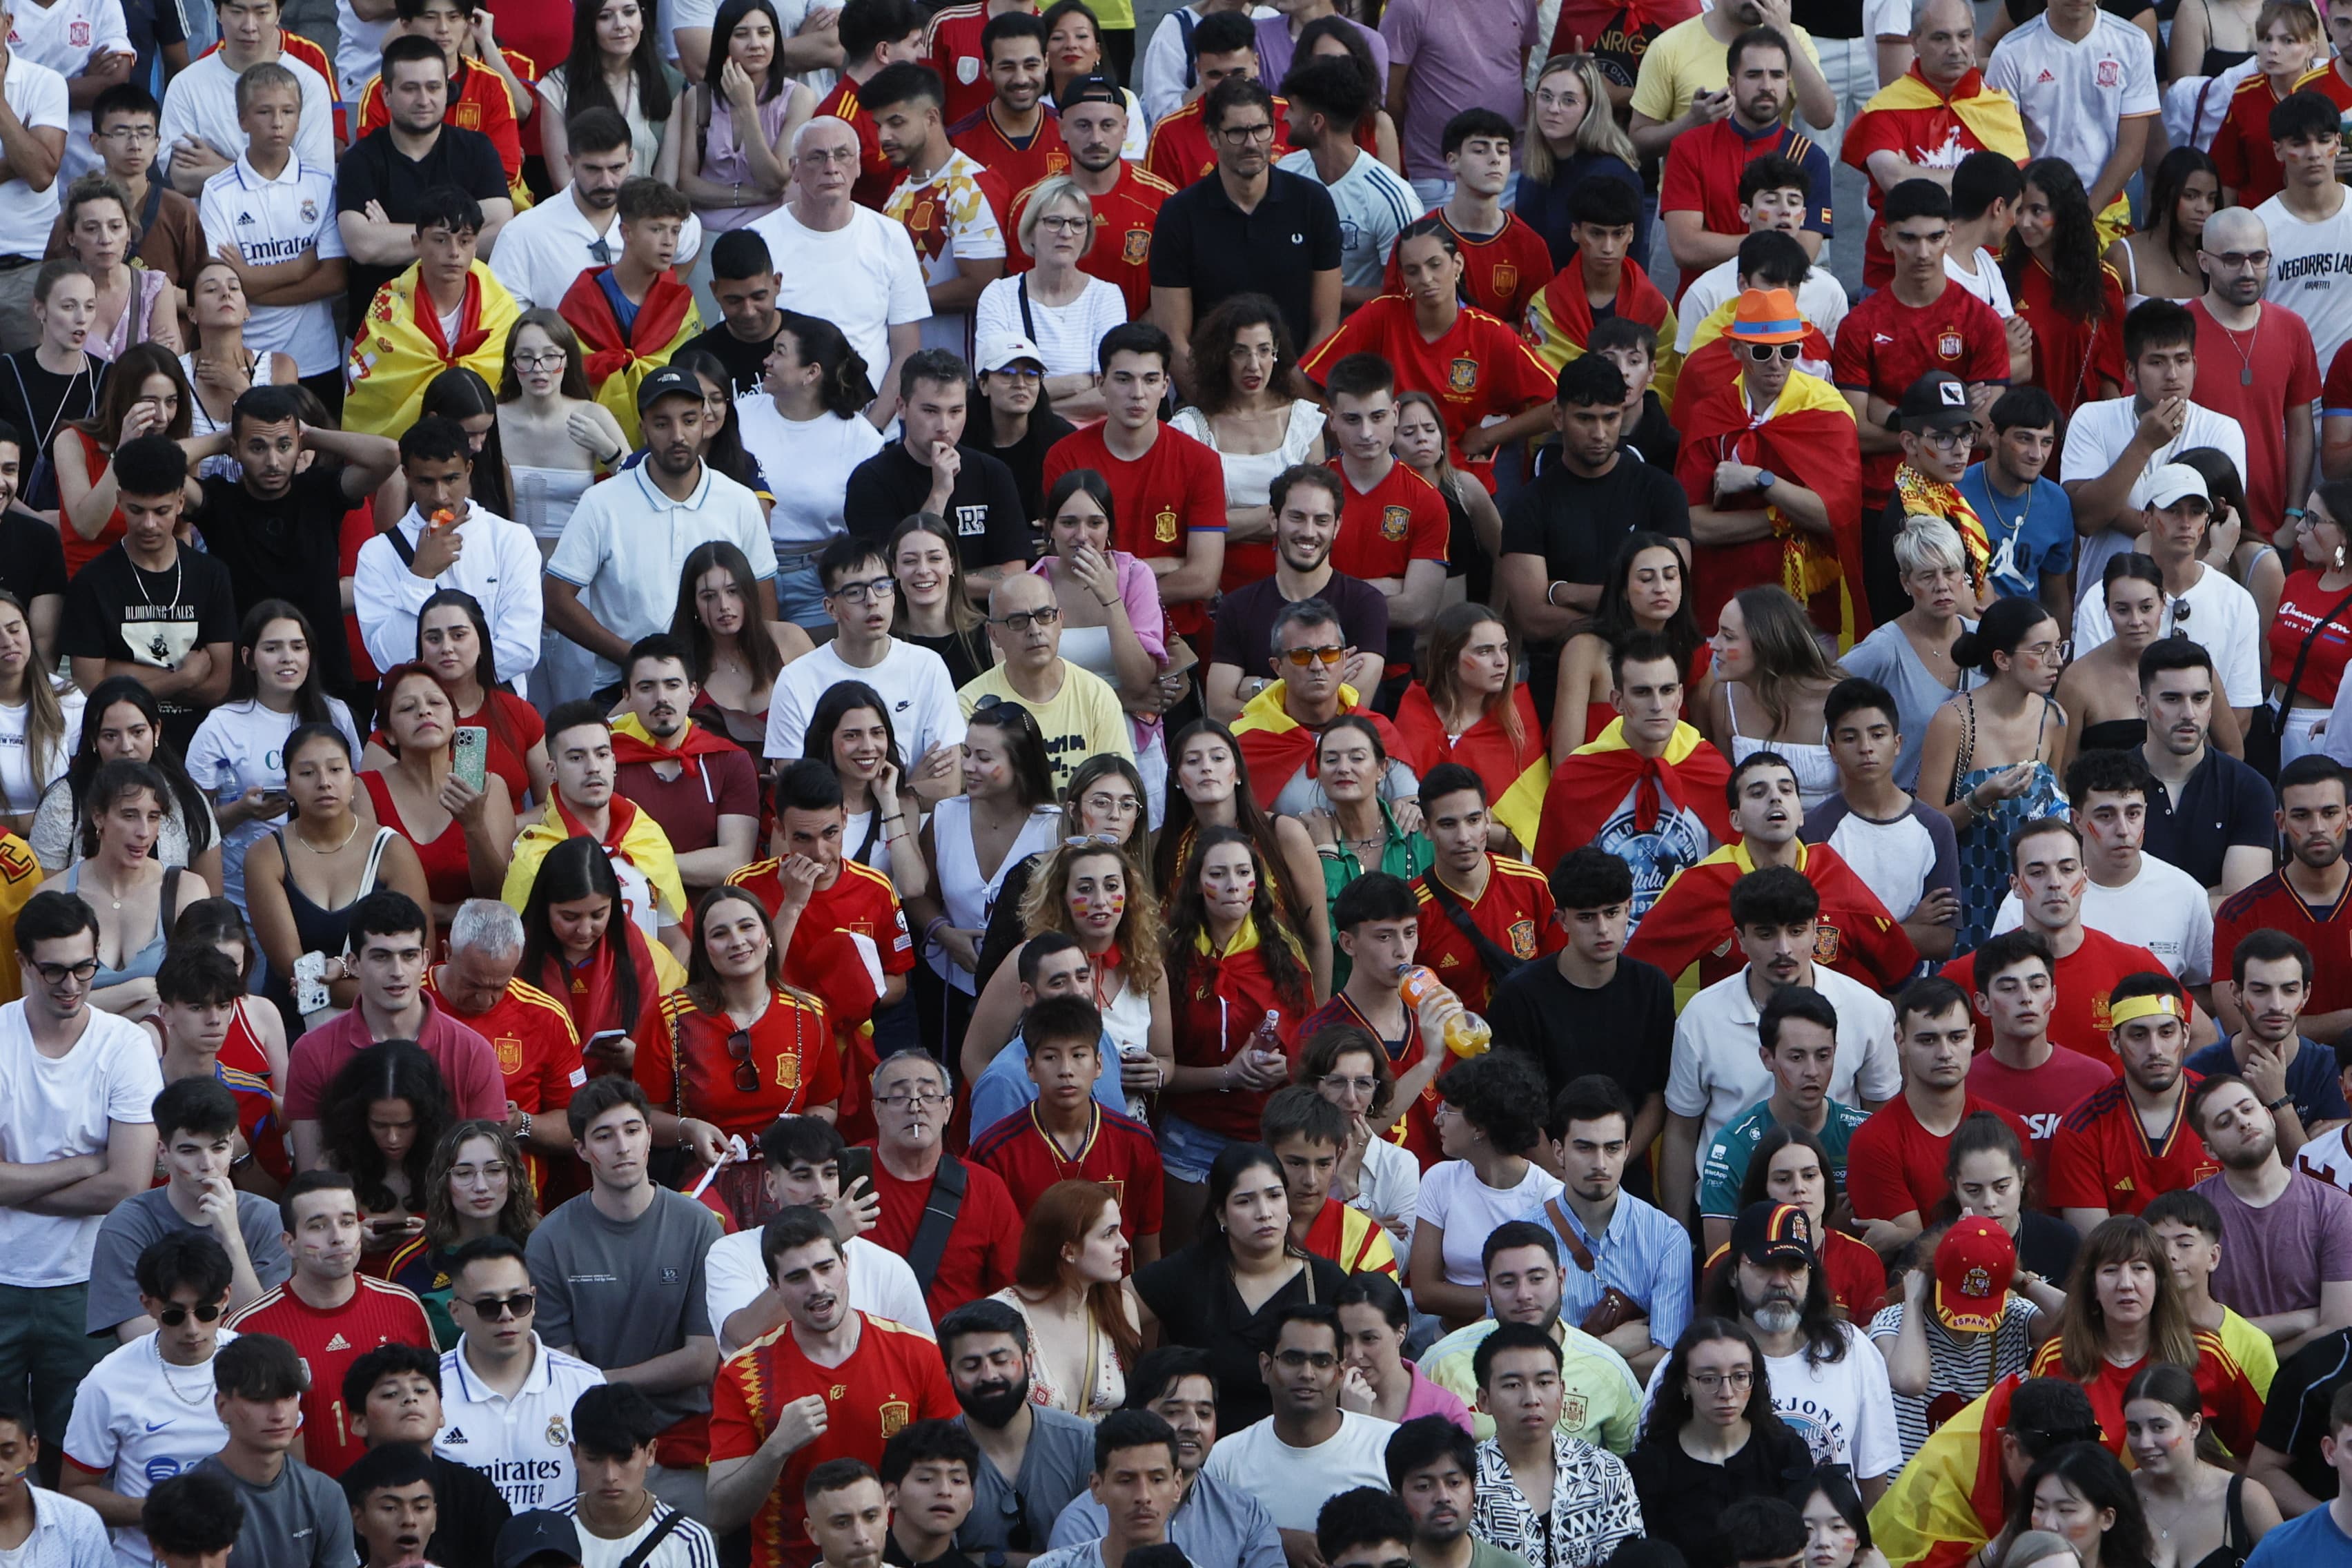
<point>470,1069</point>
<point>1276,49</point>
<point>1455,50</point>
<point>2275,1259</point>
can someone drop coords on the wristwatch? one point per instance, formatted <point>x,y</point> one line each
<point>524,1131</point>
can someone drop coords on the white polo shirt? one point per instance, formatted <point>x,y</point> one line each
<point>542,248</point>
<point>627,542</point>
<point>1716,1072</point>
<point>273,220</point>
<point>523,1443</point>
<point>35,95</point>
<point>61,36</point>
<point>201,102</point>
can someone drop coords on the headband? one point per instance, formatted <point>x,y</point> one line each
<point>2132,1007</point>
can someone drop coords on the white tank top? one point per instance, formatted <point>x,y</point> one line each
<point>968,895</point>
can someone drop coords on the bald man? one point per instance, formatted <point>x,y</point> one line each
<point>2256,365</point>
<point>1077,710</point>
<point>844,263</point>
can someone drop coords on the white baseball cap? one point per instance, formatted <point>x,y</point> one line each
<point>2173,483</point>
<point>999,350</point>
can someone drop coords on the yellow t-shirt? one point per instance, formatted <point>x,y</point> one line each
<point>1686,60</point>
<point>1083,717</point>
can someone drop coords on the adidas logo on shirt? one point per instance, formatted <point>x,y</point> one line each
<point>339,1343</point>
<point>454,1435</point>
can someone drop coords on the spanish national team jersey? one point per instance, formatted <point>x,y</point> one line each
<point>1513,912</point>
<point>2085,979</point>
<point>1019,163</point>
<point>1703,165</point>
<point>1124,217</point>
<point>379,1313</point>
<point>2241,147</point>
<point>2102,1157</point>
<point>1480,370</point>
<point>2272,903</point>
<point>1180,153</point>
<point>2233,1392</point>
<point>1163,497</point>
<point>1883,345</point>
<point>953,50</point>
<point>1116,1152</point>
<point>537,1043</point>
<point>893,1379</point>
<point>1501,272</point>
<point>478,101</point>
<point>875,174</point>
<point>860,901</point>
<point>1386,529</point>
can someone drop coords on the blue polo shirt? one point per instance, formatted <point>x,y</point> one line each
<point>2225,804</point>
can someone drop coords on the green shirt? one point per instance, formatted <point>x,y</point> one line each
<point>1405,855</point>
<point>1601,1402</point>
<point>1725,1169</point>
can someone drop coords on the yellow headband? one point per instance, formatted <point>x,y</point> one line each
<point>2132,1007</point>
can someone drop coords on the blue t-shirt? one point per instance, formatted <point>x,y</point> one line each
<point>2313,1540</point>
<point>2042,521</point>
<point>2310,1079</point>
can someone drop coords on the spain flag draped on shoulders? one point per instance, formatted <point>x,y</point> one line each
<point>1806,436</point>
<point>1515,773</point>
<point>1953,1495</point>
<point>1691,921</point>
<point>1559,322</point>
<point>399,347</point>
<point>1931,128</point>
<point>1594,780</point>
<point>1279,749</point>
<point>618,358</point>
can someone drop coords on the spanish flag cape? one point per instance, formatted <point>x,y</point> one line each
<point>1953,1495</point>
<point>633,744</point>
<point>399,347</point>
<point>1923,497</point>
<point>1808,438</point>
<point>1691,921</point>
<point>617,360</point>
<point>632,837</point>
<point>1987,113</point>
<point>1593,779</point>
<point>1277,748</point>
<point>1515,777</point>
<point>1559,322</point>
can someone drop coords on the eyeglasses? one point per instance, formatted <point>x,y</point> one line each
<point>1353,1085</point>
<point>2041,651</point>
<point>1715,1381</point>
<point>52,974</point>
<point>1959,440</point>
<point>1019,621</point>
<point>820,155</point>
<point>131,135</point>
<point>1248,133</point>
<point>747,1076</point>
<point>172,1316</point>
<point>551,360</point>
<point>1063,223</point>
<point>866,591</point>
<point>1103,805</point>
<point>1765,354</point>
<point>1321,1360</point>
<point>1019,372</point>
<point>2237,258</point>
<point>929,1099</point>
<point>522,1304</point>
<point>1303,656</point>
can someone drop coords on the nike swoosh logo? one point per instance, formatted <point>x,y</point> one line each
<point>159,1426</point>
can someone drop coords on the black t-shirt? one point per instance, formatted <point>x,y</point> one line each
<point>376,171</point>
<point>39,405</point>
<point>1653,436</point>
<point>1625,1029</point>
<point>1682,1498</point>
<point>1245,621</point>
<point>1203,242</point>
<point>289,547</point>
<point>985,508</point>
<point>1192,1293</point>
<point>469,1511</point>
<point>1577,524</point>
<point>964,653</point>
<point>744,362</point>
<point>2224,805</point>
<point>2295,1418</point>
<point>32,556</point>
<point>2045,1244</point>
<point>1027,458</point>
<point>116,610</point>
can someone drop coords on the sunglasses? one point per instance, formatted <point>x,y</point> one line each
<point>739,1047</point>
<point>1765,354</point>
<point>172,1316</point>
<point>522,1304</point>
<point>1303,656</point>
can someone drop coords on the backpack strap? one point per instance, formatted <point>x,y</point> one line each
<point>948,1185</point>
<point>643,1552</point>
<point>1500,965</point>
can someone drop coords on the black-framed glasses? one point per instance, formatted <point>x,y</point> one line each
<point>1955,440</point>
<point>172,1316</point>
<point>1247,133</point>
<point>1765,354</point>
<point>491,1308</point>
<point>747,1076</point>
<point>1019,621</point>
<point>51,974</point>
<point>866,591</point>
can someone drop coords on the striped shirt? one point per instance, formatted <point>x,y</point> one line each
<point>687,1546</point>
<point>1642,1253</point>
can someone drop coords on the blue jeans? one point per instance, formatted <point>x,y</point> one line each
<point>1186,1151</point>
<point>800,595</point>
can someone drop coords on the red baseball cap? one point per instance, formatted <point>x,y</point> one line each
<point>1974,1264</point>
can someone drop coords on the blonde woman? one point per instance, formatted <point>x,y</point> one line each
<point>134,304</point>
<point>1571,134</point>
<point>1061,310</point>
<point>1772,677</point>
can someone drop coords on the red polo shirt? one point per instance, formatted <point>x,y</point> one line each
<point>469,1068</point>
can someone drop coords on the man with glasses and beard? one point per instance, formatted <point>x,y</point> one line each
<point>1828,1380</point>
<point>1218,1524</point>
<point>1279,729</point>
<point>1309,1448</point>
<point>1033,1459</point>
<point>2255,363</point>
<point>2305,895</point>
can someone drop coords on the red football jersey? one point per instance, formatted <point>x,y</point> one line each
<point>875,174</point>
<point>1515,912</point>
<point>2233,1405</point>
<point>1117,1151</point>
<point>1383,531</point>
<point>378,1313</point>
<point>1479,369</point>
<point>2241,147</point>
<point>1501,272</point>
<point>1883,345</point>
<point>2272,903</point>
<point>1178,152</point>
<point>1894,1166</point>
<point>478,101</point>
<point>2085,979</point>
<point>538,1046</point>
<point>1020,162</point>
<point>690,1069</point>
<point>1175,488</point>
<point>893,1378</point>
<point>861,900</point>
<point>1703,166</point>
<point>983,1249</point>
<point>953,50</point>
<point>1124,218</point>
<point>2104,1159</point>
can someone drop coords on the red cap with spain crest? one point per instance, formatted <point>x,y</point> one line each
<point>1974,1264</point>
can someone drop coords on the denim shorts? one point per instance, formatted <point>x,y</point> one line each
<point>800,595</point>
<point>1186,1151</point>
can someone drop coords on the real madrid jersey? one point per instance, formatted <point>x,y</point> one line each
<point>523,1443</point>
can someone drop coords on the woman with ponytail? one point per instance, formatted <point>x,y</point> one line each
<point>809,432</point>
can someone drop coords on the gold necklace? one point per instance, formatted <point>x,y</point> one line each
<point>323,854</point>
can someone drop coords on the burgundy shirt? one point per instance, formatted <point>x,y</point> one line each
<point>688,806</point>
<point>470,1069</point>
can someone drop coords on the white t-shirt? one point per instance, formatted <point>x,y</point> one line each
<point>201,102</point>
<point>1844,1409</point>
<point>1894,859</point>
<point>881,1283</point>
<point>1716,1072</point>
<point>359,51</point>
<point>238,746</point>
<point>2221,616</point>
<point>61,36</point>
<point>2163,910</point>
<point>1160,79</point>
<point>35,95</point>
<point>53,1107</point>
<point>2096,436</point>
<point>924,712</point>
<point>1453,1197</point>
<point>146,1421</point>
<point>1820,299</point>
<point>2073,97</point>
<point>687,1546</point>
<point>1375,204</point>
<point>808,462</point>
<point>524,1443</point>
<point>276,220</point>
<point>1293,1484</point>
<point>20,790</point>
<point>2311,270</point>
<point>1986,282</point>
<point>864,278</point>
<point>1068,335</point>
<point>543,248</point>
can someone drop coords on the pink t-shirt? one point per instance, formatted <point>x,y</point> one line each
<point>1428,1399</point>
<point>1461,54</point>
<point>2275,1259</point>
<point>2041,1096</point>
<point>470,1069</point>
